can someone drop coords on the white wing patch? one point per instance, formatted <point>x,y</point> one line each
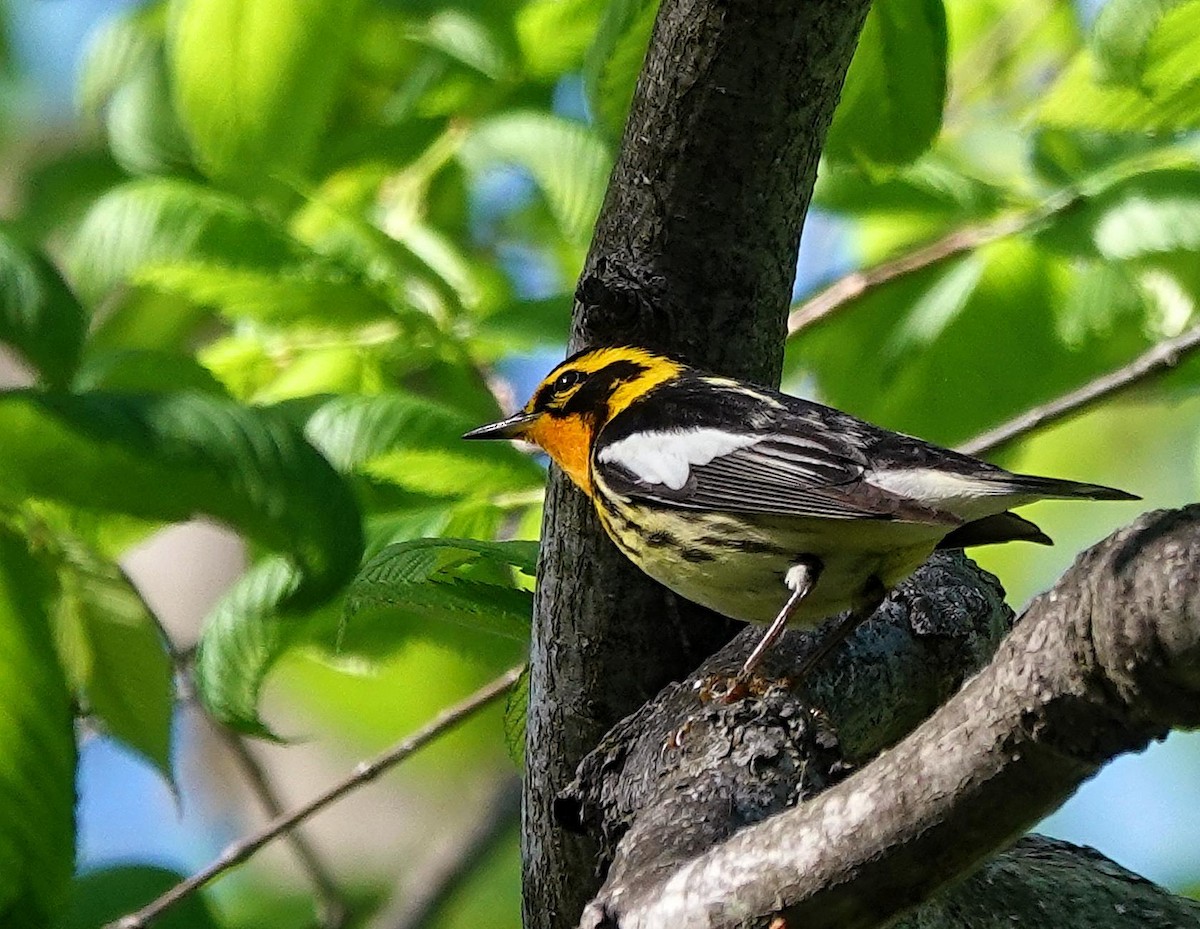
<point>667,457</point>
<point>964,496</point>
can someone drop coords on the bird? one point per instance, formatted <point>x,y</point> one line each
<point>764,507</point>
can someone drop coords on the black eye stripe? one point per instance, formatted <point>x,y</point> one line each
<point>585,392</point>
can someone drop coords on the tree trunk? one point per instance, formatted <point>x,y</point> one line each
<point>695,252</point>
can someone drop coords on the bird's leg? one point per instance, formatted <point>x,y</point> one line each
<point>801,578</point>
<point>873,596</point>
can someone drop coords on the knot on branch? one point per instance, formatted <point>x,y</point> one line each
<point>618,302</point>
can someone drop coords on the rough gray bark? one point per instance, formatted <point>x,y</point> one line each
<point>704,799</point>
<point>694,251</point>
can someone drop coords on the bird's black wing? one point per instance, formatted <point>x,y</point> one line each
<point>735,451</point>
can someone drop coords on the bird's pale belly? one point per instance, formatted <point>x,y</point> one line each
<point>736,564</point>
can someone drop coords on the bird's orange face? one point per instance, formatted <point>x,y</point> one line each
<point>577,399</point>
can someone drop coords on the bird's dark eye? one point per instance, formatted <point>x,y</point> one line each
<point>567,380</point>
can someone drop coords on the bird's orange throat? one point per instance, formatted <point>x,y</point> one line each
<point>568,441</point>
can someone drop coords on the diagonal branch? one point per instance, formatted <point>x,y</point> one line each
<point>365,771</point>
<point>333,911</point>
<point>1105,662</point>
<point>1161,357</point>
<point>850,287</point>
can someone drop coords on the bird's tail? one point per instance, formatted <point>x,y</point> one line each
<point>1055,488</point>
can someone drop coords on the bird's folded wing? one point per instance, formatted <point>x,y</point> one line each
<point>798,476</point>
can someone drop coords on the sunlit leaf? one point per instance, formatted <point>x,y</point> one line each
<point>125,83</point>
<point>1167,95</point>
<point>37,748</point>
<point>944,347</point>
<point>39,315</point>
<point>255,80</point>
<point>314,292</point>
<point>416,443</point>
<point>891,105</point>
<point>170,457</point>
<point>554,34</point>
<point>159,221</point>
<point>116,50</point>
<point>567,159</point>
<point>115,654</point>
<point>614,61</point>
<point>1121,34</point>
<point>466,39</point>
<point>1149,213</point>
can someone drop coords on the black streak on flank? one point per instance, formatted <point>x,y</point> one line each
<point>748,546</point>
<point>660,539</point>
<point>696,555</point>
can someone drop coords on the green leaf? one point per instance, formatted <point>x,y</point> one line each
<point>1167,95</point>
<point>924,332</point>
<point>243,637</point>
<point>465,39</point>
<point>526,324</point>
<point>101,897</point>
<point>516,712</point>
<point>895,90</point>
<point>416,443</point>
<point>932,187</point>
<point>115,52</point>
<point>37,748</point>
<point>115,654</point>
<point>143,131</point>
<point>39,316</point>
<point>169,457</point>
<point>154,222</point>
<point>144,371</point>
<point>255,80</point>
<point>567,160</point>
<point>554,34</point>
<point>1151,213</point>
<point>313,292</point>
<point>1121,36</point>
<point>411,584</point>
<point>614,61</point>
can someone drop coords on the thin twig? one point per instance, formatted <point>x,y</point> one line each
<point>1162,356</point>
<point>332,908</point>
<point>431,891</point>
<point>855,284</point>
<point>365,771</point>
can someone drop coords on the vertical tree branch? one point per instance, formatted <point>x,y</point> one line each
<point>694,251</point>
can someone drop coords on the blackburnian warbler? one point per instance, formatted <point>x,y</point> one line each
<point>764,507</point>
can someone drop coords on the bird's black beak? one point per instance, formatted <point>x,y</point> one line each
<point>512,428</point>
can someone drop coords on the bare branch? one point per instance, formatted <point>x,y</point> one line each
<point>332,909</point>
<point>1161,357</point>
<point>365,771</point>
<point>824,304</point>
<point>1105,662</point>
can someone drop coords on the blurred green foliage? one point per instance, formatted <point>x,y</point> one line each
<point>280,271</point>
